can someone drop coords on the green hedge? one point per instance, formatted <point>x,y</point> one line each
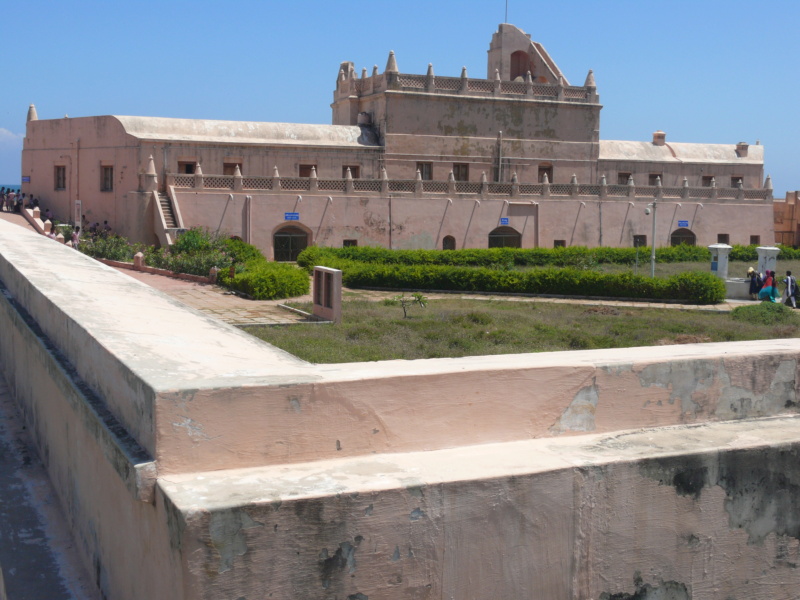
<point>695,287</point>
<point>572,256</point>
<point>262,280</point>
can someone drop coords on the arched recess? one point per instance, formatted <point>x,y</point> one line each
<point>288,241</point>
<point>449,243</point>
<point>520,64</point>
<point>505,237</point>
<point>683,236</point>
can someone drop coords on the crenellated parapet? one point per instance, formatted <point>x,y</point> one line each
<point>348,85</point>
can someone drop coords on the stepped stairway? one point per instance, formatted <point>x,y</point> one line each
<point>166,209</point>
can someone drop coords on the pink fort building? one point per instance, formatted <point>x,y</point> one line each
<point>410,161</point>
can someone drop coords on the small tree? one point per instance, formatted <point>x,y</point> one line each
<point>406,302</point>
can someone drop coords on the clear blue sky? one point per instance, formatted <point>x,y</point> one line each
<point>703,71</point>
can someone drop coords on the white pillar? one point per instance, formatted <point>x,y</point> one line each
<point>767,258</point>
<point>719,260</point>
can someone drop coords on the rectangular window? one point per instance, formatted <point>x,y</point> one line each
<point>229,168</point>
<point>461,171</point>
<point>305,170</point>
<point>653,179</point>
<point>724,238</point>
<point>639,241</point>
<point>106,179</point>
<point>349,243</point>
<point>755,240</point>
<point>60,178</point>
<point>622,178</point>
<point>425,170</point>
<point>186,167</point>
<point>736,180</point>
<point>355,171</point>
<point>545,170</point>
<point>559,243</point>
<point>707,179</point>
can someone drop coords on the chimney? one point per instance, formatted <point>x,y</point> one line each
<point>659,138</point>
<point>741,149</point>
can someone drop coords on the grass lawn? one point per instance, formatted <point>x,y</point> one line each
<point>454,327</point>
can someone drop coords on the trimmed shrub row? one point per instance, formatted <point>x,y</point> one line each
<point>263,280</point>
<point>695,287</point>
<point>197,250</point>
<point>573,256</point>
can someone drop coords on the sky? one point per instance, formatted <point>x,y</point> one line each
<point>708,71</point>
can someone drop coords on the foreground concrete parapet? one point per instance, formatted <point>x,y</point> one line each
<point>704,511</point>
<point>194,461</point>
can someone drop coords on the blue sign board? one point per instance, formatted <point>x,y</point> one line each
<point>683,223</point>
<point>503,220</point>
<point>26,179</point>
<point>714,265</point>
<point>291,216</point>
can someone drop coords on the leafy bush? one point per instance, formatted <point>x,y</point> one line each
<point>766,313</point>
<point>505,258</point>
<point>242,252</point>
<point>112,247</point>
<point>195,239</point>
<point>267,281</point>
<point>697,287</point>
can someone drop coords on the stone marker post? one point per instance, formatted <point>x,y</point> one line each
<point>328,294</point>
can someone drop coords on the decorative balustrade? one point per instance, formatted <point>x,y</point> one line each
<point>426,188</point>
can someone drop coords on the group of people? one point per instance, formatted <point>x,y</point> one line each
<point>765,287</point>
<point>12,200</point>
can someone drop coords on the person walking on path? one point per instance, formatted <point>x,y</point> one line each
<point>770,290</point>
<point>790,292</point>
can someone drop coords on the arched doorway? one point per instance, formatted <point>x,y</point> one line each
<point>288,242</point>
<point>505,237</point>
<point>683,236</point>
<point>520,64</point>
<point>449,243</point>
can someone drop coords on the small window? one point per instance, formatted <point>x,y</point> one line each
<point>229,168</point>
<point>461,171</point>
<point>724,238</point>
<point>654,178</point>
<point>187,168</point>
<point>545,169</point>
<point>755,240</point>
<point>305,170</point>
<point>639,241</point>
<point>707,179</point>
<point>736,180</point>
<point>349,243</point>
<point>60,178</point>
<point>106,179</point>
<point>449,243</point>
<point>559,243</point>
<point>622,178</point>
<point>425,170</point>
<point>355,171</point>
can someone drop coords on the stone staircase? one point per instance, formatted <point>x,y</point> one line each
<point>166,209</point>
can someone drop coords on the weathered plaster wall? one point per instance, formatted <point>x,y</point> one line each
<point>104,480</point>
<point>432,114</point>
<point>424,222</point>
<point>701,512</point>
